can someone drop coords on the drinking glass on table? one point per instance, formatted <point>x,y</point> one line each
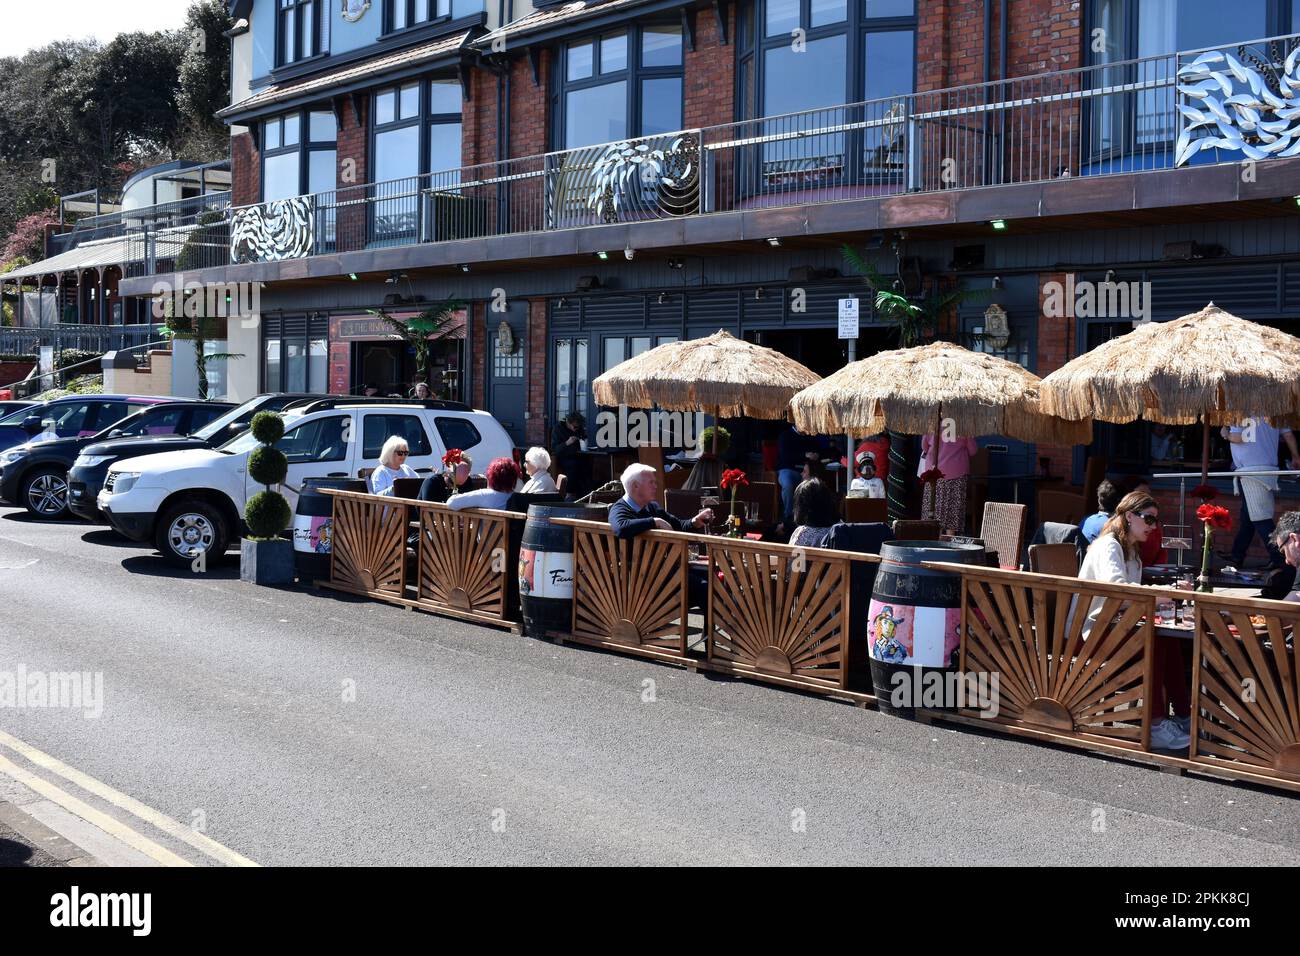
<point>751,511</point>
<point>1164,611</point>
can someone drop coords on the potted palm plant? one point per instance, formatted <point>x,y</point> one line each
<point>264,556</point>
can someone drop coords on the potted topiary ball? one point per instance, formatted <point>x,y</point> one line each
<point>265,557</point>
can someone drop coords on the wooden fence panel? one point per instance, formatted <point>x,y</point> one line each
<point>368,549</point>
<point>464,561</point>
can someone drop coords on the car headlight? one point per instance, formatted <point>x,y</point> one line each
<point>90,461</point>
<point>125,481</point>
<point>9,457</point>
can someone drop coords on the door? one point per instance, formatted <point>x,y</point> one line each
<point>505,382</point>
<point>318,448</point>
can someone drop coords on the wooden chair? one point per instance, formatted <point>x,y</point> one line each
<point>908,530</point>
<point>865,510</point>
<point>407,487</point>
<point>1063,507</point>
<point>364,474</point>
<point>676,478</point>
<point>768,496</point>
<point>683,502</point>
<point>1062,559</point>
<point>1003,531</point>
<point>562,484</point>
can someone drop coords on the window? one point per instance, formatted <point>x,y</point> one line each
<point>379,428</point>
<point>299,152</point>
<point>165,421</point>
<point>204,416</point>
<point>457,433</point>
<point>1133,29</point>
<point>417,131</point>
<point>400,14</point>
<point>621,85</point>
<point>302,30</point>
<point>295,353</point>
<point>322,439</point>
<point>571,391</point>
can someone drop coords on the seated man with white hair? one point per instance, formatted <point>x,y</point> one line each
<point>537,461</point>
<point>638,511</point>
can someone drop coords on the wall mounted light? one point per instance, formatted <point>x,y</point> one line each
<point>562,303</point>
<point>998,224</point>
<point>759,293</point>
<point>629,253</point>
<point>676,263</point>
<point>602,255</point>
<point>1110,275</point>
<point>997,282</point>
<point>464,267</point>
<point>352,276</point>
<point>663,298</point>
<point>774,241</point>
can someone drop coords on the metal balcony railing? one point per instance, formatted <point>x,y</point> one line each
<point>180,212</point>
<point>1204,106</point>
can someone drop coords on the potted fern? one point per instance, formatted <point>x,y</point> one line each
<point>265,557</point>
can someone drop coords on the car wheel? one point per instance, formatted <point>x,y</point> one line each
<point>44,493</point>
<point>190,528</point>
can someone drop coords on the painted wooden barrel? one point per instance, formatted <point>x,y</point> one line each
<point>546,566</point>
<point>914,620</point>
<point>313,526</point>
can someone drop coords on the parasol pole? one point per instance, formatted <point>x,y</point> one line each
<point>717,423</point>
<point>938,427</point>
<point>1205,448</point>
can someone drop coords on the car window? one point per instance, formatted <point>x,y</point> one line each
<point>457,432</point>
<point>164,421</point>
<point>19,415</point>
<point>321,439</point>
<point>378,428</point>
<point>204,414</point>
<point>70,420</point>
<point>106,414</point>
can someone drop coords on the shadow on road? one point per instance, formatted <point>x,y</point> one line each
<point>110,538</point>
<point>26,517</point>
<point>225,568</point>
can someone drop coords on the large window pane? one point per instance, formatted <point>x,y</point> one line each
<point>829,11</point>
<point>397,153</point>
<point>580,61</point>
<point>613,53</point>
<point>280,177</point>
<point>397,158</point>
<point>295,365</point>
<point>595,115</point>
<point>890,8</point>
<point>385,107</point>
<point>271,134</point>
<point>291,124</point>
<point>399,13</point>
<point>271,366</point>
<point>782,16</point>
<point>662,46</point>
<point>580,375</point>
<point>798,81</point>
<point>444,148</point>
<point>320,171</point>
<point>888,68</point>
<point>661,106</point>
<point>563,378</point>
<point>410,101</point>
<point>444,96</point>
<point>306,16</point>
<point>614,352</point>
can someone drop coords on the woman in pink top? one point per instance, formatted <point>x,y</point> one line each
<point>945,500</point>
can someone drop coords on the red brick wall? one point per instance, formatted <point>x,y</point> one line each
<point>1044,36</point>
<point>352,172</point>
<point>709,88</point>
<point>536,431</point>
<point>245,171</point>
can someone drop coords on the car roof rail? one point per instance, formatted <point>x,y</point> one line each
<point>343,400</point>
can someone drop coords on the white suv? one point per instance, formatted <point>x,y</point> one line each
<point>192,501</point>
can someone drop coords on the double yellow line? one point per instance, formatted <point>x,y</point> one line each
<point>128,835</point>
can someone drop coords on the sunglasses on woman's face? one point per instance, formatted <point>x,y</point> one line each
<point>1151,520</point>
<point>402,453</point>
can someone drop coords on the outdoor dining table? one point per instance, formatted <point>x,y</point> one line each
<point>1187,629</point>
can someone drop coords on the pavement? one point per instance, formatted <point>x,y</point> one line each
<point>243,725</point>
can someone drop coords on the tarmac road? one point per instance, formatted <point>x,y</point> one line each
<point>305,727</point>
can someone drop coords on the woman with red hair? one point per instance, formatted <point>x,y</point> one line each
<point>502,476</point>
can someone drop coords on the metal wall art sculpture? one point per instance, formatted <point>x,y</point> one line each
<point>280,229</point>
<point>1251,107</point>
<point>646,179</point>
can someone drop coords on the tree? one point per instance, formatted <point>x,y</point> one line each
<point>205,79</point>
<point>416,330</point>
<point>28,237</point>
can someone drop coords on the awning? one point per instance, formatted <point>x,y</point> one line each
<point>88,255</point>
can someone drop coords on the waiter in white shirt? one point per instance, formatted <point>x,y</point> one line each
<point>1254,448</point>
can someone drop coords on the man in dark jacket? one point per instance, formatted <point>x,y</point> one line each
<point>638,512</point>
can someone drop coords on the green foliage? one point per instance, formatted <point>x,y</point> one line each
<point>267,465</point>
<point>416,331</point>
<point>267,514</point>
<point>268,428</point>
<point>197,242</point>
<point>205,77</point>
<point>69,357</point>
<point>706,439</point>
<point>914,319</point>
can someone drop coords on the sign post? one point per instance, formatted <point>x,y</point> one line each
<point>850,325</point>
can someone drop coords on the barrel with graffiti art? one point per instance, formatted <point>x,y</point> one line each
<point>546,567</point>
<point>914,619</point>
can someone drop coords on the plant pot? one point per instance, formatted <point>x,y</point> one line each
<point>266,562</point>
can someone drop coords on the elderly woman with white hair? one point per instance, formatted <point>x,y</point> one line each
<point>392,465</point>
<point>537,462</point>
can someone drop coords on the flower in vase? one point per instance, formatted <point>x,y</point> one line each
<point>1214,517</point>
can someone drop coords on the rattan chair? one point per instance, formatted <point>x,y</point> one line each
<point>1003,531</point>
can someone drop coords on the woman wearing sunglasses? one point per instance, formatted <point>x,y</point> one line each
<point>1115,557</point>
<point>392,464</point>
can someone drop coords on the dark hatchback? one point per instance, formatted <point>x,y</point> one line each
<point>87,474</point>
<point>34,475</point>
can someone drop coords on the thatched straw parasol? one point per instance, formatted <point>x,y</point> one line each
<point>912,390</point>
<point>1209,366</point>
<point>721,374</point>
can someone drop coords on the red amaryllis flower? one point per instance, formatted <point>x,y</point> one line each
<point>1214,516</point>
<point>453,457</point>
<point>734,478</point>
<point>1205,492</point>
<point>931,474</point>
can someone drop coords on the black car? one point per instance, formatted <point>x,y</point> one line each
<point>34,475</point>
<point>9,406</point>
<point>87,474</point>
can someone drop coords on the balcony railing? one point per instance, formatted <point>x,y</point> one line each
<point>1204,106</point>
<point>181,212</point>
